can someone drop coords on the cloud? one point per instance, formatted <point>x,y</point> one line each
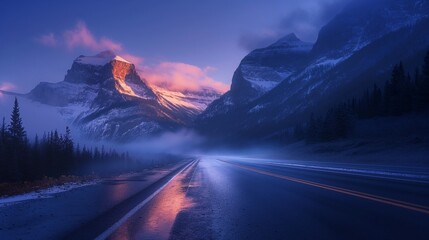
<point>171,75</point>
<point>7,86</point>
<point>79,37</point>
<point>181,76</point>
<point>307,19</point>
<point>180,142</point>
<point>48,40</point>
<point>138,61</point>
<point>251,41</point>
<point>304,18</point>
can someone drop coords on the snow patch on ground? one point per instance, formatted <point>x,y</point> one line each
<point>44,193</point>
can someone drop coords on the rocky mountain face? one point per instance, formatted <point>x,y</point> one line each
<point>356,49</point>
<point>106,98</point>
<point>272,90</point>
<point>260,71</point>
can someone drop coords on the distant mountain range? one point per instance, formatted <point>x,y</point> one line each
<point>107,99</point>
<point>279,86</point>
<point>272,90</point>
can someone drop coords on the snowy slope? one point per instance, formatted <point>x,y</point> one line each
<point>193,102</point>
<point>263,69</point>
<point>356,49</point>
<point>260,71</point>
<point>100,59</point>
<point>104,96</point>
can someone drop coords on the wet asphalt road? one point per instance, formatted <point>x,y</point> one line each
<point>227,198</point>
<point>235,198</point>
<point>238,198</point>
<point>71,213</point>
<point>247,200</point>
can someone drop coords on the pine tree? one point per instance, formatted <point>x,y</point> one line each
<point>423,86</point>
<point>393,91</point>
<point>342,122</point>
<point>16,128</point>
<point>417,77</point>
<point>68,150</point>
<point>17,145</point>
<point>2,139</point>
<point>406,95</point>
<point>3,131</point>
<point>3,152</point>
<point>36,159</point>
<point>313,129</point>
<point>376,101</point>
<point>327,132</point>
<point>298,132</point>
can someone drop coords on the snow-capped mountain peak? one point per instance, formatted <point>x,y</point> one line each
<point>111,71</point>
<point>292,42</point>
<point>100,59</point>
<point>291,37</point>
<point>261,71</point>
<point>106,98</point>
<point>354,50</point>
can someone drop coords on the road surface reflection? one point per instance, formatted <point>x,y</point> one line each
<point>155,220</point>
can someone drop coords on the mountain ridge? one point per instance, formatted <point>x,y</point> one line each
<point>107,99</point>
<point>259,72</point>
<point>334,70</point>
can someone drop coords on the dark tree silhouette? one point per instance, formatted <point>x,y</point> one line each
<point>53,155</point>
<point>393,92</point>
<point>16,129</point>
<point>423,86</point>
<point>401,96</point>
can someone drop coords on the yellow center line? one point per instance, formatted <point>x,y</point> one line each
<point>394,202</point>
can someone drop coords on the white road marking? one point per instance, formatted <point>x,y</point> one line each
<point>121,221</point>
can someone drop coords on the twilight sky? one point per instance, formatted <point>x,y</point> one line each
<point>187,42</point>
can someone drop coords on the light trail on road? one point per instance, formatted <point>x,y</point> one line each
<point>397,203</point>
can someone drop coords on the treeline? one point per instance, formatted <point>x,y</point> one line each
<point>401,94</point>
<point>53,155</point>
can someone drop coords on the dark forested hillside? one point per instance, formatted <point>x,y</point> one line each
<point>52,155</point>
<point>403,94</point>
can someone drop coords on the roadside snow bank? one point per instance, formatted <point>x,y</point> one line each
<point>43,193</point>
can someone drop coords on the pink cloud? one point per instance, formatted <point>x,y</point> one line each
<point>7,86</point>
<point>181,76</point>
<point>81,36</point>
<point>138,61</point>
<point>171,75</point>
<point>48,40</point>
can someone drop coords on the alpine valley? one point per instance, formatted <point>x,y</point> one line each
<point>282,85</point>
<point>272,90</point>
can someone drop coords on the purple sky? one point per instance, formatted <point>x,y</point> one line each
<point>202,39</point>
